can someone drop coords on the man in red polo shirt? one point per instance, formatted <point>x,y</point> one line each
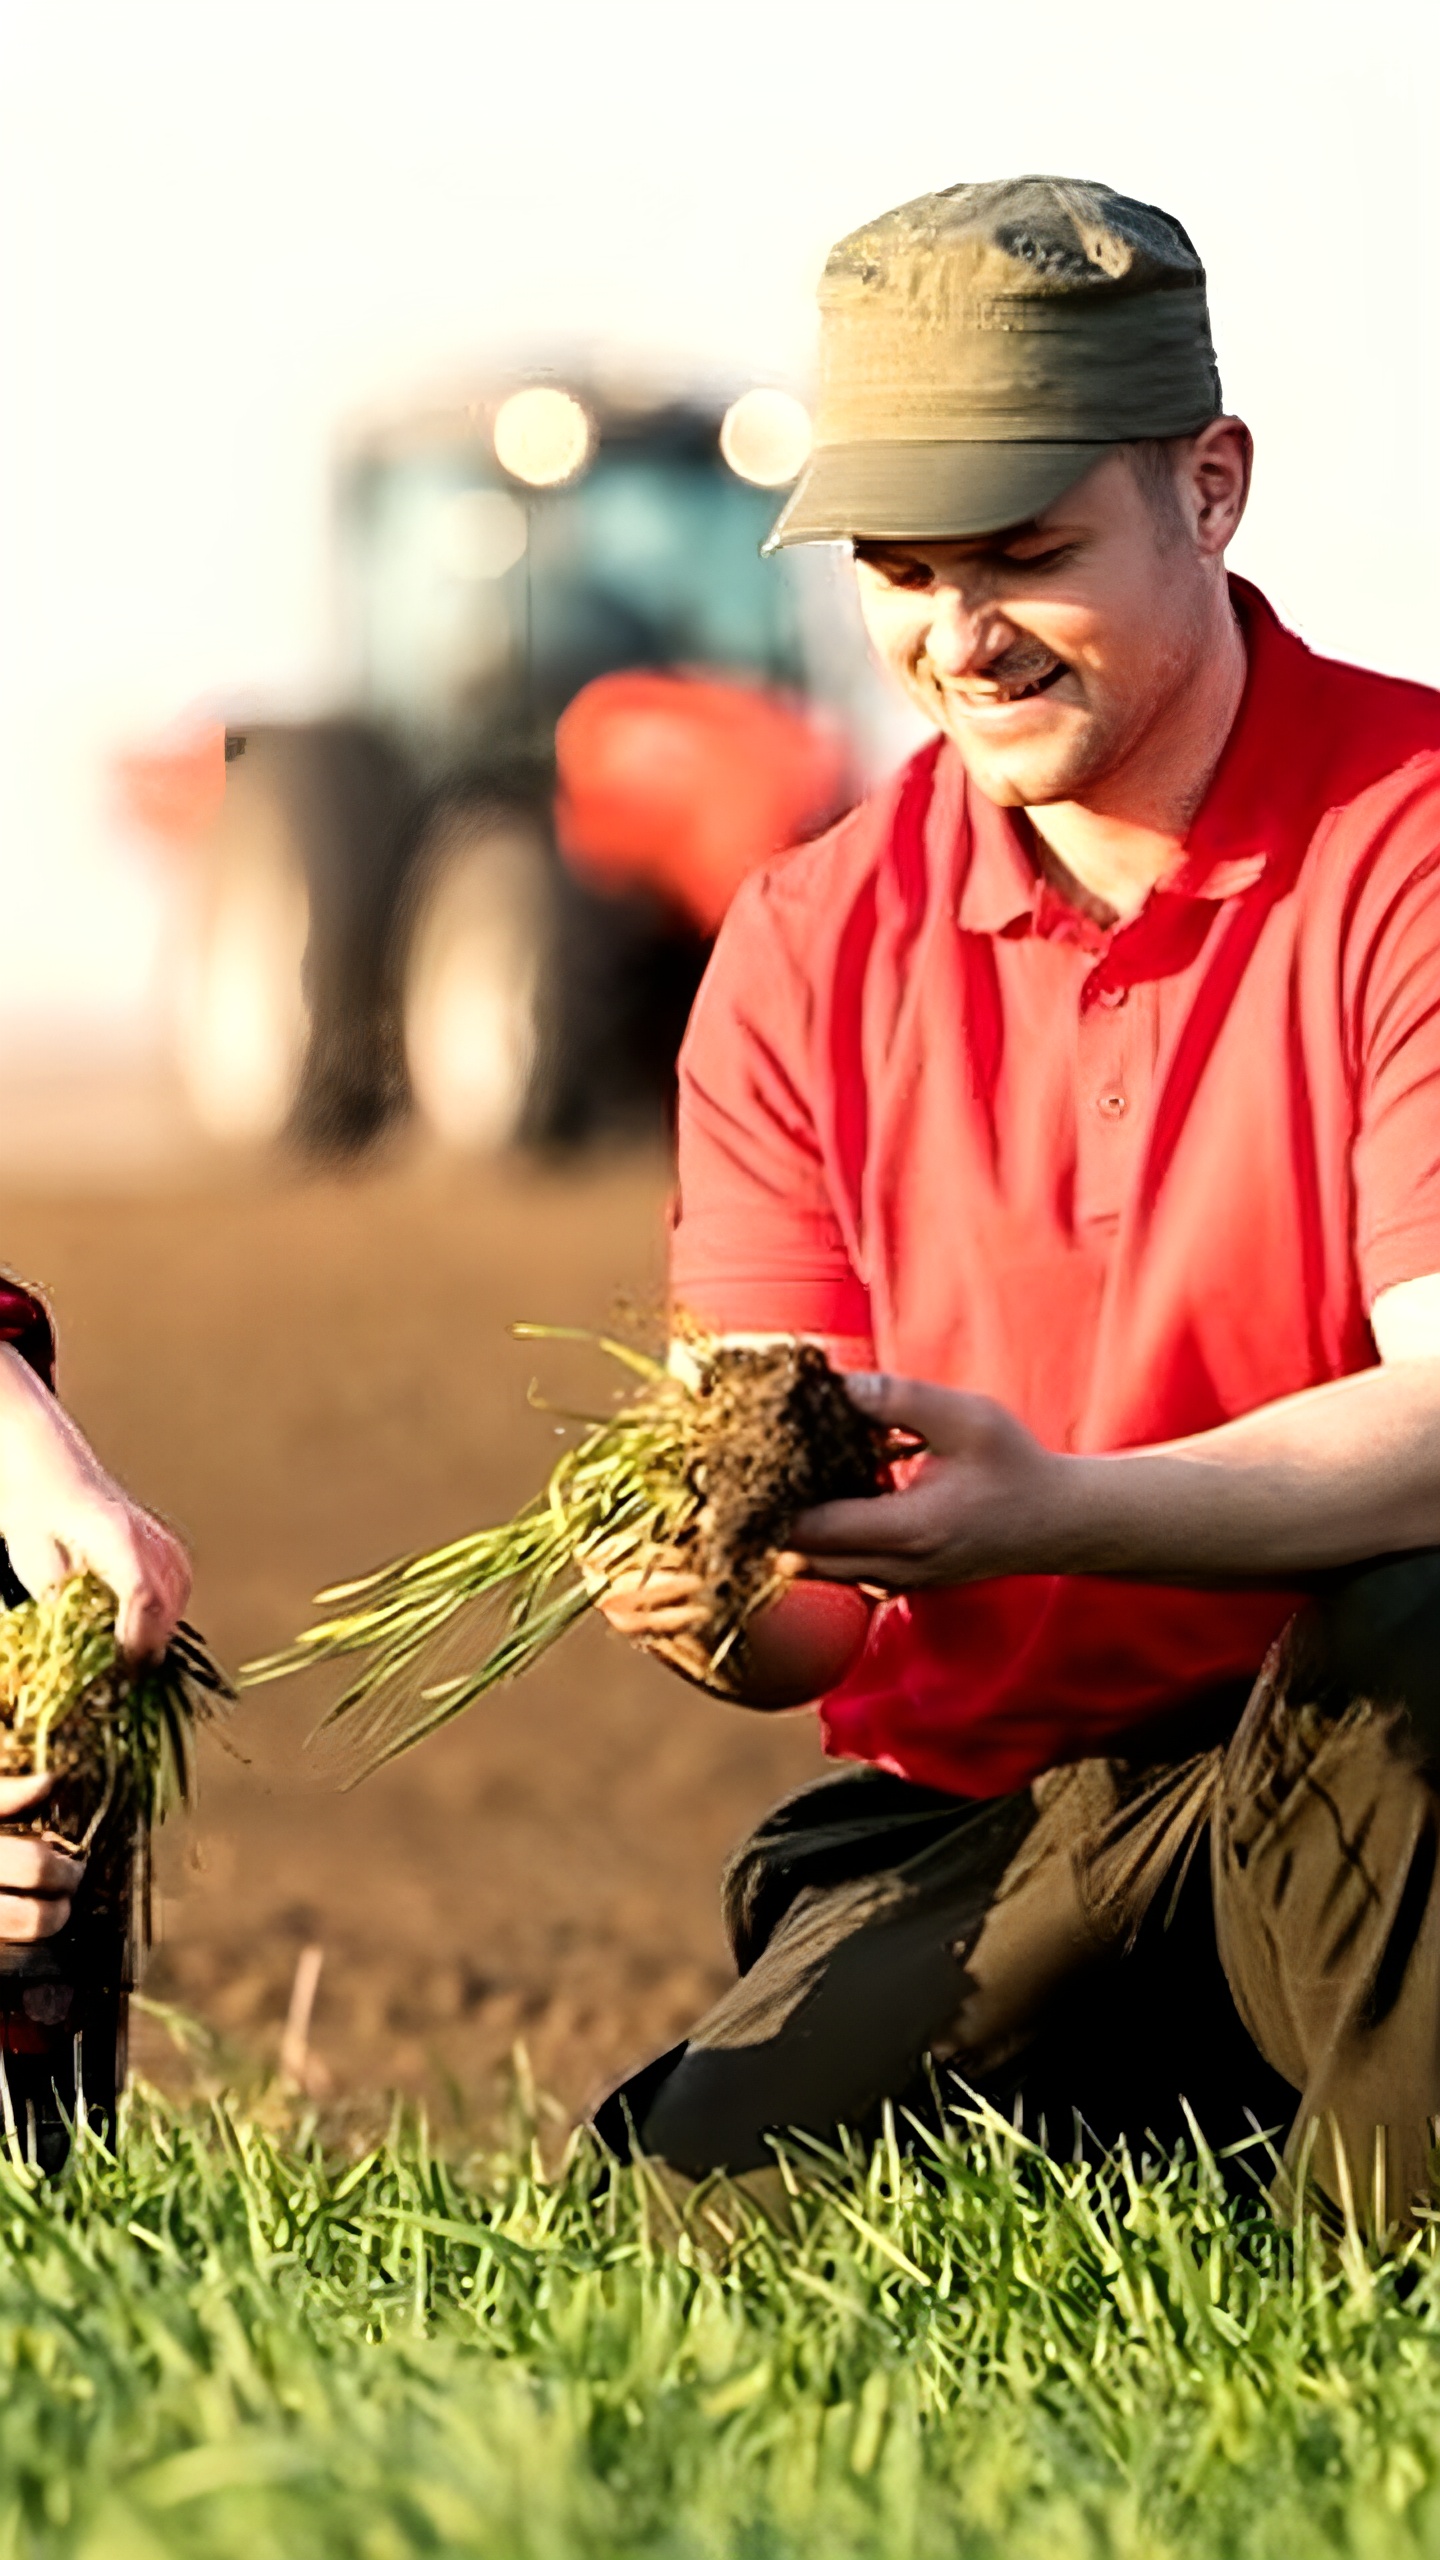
<point>1082,1092</point>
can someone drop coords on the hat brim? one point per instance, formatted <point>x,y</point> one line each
<point>927,492</point>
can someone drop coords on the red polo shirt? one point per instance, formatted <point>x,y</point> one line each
<point>1130,1183</point>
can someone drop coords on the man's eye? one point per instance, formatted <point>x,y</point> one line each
<point>1039,559</point>
<point>893,572</point>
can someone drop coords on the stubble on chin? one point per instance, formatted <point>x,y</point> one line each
<point>1025,777</point>
<point>1032,776</point>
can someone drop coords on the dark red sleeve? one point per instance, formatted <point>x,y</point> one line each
<point>25,1323</point>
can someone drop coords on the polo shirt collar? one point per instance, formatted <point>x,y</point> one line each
<point>1258,804</point>
<point>1001,888</point>
<point>1253,811</point>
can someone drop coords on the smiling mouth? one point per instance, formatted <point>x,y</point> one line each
<point>1021,692</point>
<point>1018,681</point>
<point>1017,684</point>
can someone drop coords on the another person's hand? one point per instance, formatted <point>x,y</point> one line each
<point>60,1513</point>
<point>984,1498</point>
<point>37,1880</point>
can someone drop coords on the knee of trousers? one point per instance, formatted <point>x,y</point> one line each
<point>715,2112</point>
<point>812,2050</point>
<point>1324,1848</point>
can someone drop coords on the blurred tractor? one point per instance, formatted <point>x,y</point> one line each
<point>580,709</point>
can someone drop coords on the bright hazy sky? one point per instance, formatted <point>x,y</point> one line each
<point>227,230</point>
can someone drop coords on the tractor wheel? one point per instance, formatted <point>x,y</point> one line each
<point>288,1021</point>
<point>477,979</point>
<point>243,1021</point>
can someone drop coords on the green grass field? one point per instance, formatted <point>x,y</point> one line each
<point>229,2341</point>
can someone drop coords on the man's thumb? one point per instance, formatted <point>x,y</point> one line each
<point>936,1415</point>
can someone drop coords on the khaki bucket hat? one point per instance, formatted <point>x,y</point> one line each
<point>980,349</point>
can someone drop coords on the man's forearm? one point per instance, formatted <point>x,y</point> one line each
<point>61,1513</point>
<point>1328,1477</point>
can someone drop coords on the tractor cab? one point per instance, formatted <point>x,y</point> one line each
<point>578,706</point>
<point>499,558</point>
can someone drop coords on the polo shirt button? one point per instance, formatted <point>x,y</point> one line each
<point>1112,1106</point>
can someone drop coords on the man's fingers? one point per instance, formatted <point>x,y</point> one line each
<point>640,1619</point>
<point>151,1607</point>
<point>643,1602</point>
<point>22,1795</point>
<point>24,1919</point>
<point>885,1523</point>
<point>668,1605</point>
<point>29,1863</point>
<point>663,1587</point>
<point>149,1573</point>
<point>876,1575</point>
<point>145,1621</point>
<point>940,1416</point>
<point>37,1880</point>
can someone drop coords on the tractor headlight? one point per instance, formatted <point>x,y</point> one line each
<point>765,437</point>
<point>542,436</point>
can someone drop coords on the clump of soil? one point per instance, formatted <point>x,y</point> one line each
<point>776,1433</point>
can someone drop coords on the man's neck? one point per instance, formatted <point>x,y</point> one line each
<point>1107,852</point>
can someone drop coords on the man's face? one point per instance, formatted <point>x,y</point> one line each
<point>1048,654</point>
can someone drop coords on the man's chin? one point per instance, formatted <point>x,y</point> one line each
<point>1018,782</point>
<point>1016,775</point>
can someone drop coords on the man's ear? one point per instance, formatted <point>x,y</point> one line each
<point>1215,482</point>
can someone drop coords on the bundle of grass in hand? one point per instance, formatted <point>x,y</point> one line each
<point>113,1738</point>
<point>710,1470</point>
<point>107,1731</point>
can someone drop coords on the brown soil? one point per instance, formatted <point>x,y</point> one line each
<point>778,1433</point>
<point>309,1378</point>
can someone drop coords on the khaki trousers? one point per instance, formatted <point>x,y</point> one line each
<point>1233,1921</point>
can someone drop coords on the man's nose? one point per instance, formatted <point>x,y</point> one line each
<point>965,633</point>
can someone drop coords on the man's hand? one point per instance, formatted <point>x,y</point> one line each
<point>799,1645</point>
<point>658,1605</point>
<point>60,1513</point>
<point>1329,1476</point>
<point>37,1880</point>
<point>984,1499</point>
<point>658,1596</point>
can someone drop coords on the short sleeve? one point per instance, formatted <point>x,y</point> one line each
<point>756,1243</point>
<point>1396,1151</point>
<point>25,1325</point>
